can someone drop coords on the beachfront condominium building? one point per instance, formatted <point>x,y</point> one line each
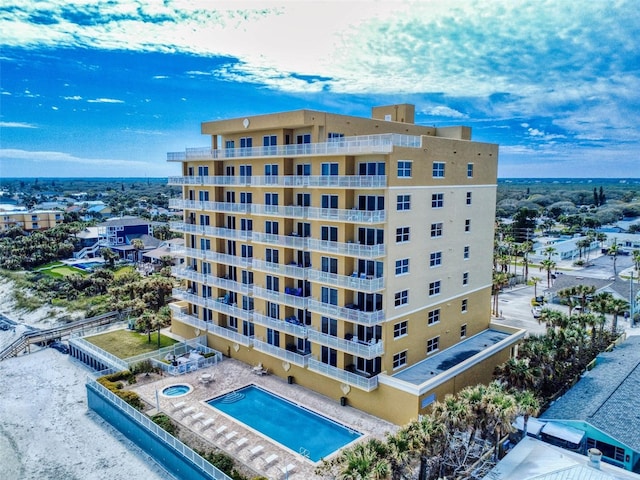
<point>349,255</point>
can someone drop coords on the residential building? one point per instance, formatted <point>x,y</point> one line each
<point>119,234</point>
<point>352,256</point>
<point>30,220</point>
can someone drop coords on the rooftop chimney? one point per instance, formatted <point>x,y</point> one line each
<point>595,456</point>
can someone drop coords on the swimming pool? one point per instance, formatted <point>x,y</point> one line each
<point>285,422</point>
<point>176,390</point>
<point>89,265</point>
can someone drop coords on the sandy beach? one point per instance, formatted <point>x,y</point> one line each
<point>46,428</point>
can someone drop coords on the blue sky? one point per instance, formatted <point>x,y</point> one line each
<point>106,89</point>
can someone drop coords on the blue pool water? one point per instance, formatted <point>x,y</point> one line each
<point>295,427</point>
<point>89,265</point>
<point>176,390</point>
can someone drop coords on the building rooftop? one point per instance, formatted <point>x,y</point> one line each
<point>124,222</point>
<point>533,459</point>
<point>607,396</point>
<point>443,361</point>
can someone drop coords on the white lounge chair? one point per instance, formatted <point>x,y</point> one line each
<point>256,450</point>
<point>230,435</point>
<point>270,459</point>
<point>221,429</point>
<point>240,443</point>
<point>188,410</point>
<point>288,469</point>
<point>206,424</point>
<point>197,416</point>
<point>178,406</point>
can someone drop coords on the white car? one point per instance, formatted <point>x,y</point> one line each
<point>536,311</point>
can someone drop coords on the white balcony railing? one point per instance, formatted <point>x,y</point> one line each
<point>209,327</point>
<point>363,144</point>
<point>353,282</point>
<point>350,249</point>
<point>217,305</point>
<point>218,180</point>
<point>322,181</point>
<point>291,357</point>
<point>207,230</point>
<point>343,215</point>
<point>212,280</point>
<point>353,379</point>
<point>290,211</point>
<point>344,313</point>
<point>366,350</point>
<point>280,325</point>
<point>280,297</point>
<point>212,256</point>
<point>291,241</point>
<point>276,268</point>
<point>227,207</point>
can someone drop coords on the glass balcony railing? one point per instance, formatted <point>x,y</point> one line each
<point>280,297</point>
<point>366,350</point>
<point>292,271</point>
<point>351,249</point>
<point>320,181</point>
<point>346,313</point>
<point>211,256</point>
<point>227,207</point>
<point>212,280</point>
<point>353,282</point>
<point>209,327</point>
<point>210,231</point>
<point>280,325</point>
<point>290,241</point>
<point>362,144</point>
<point>217,305</point>
<point>291,357</point>
<point>353,379</point>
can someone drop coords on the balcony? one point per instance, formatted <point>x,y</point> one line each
<point>348,313</point>
<point>322,181</point>
<point>342,215</point>
<point>353,282</point>
<point>350,249</point>
<point>281,298</point>
<point>212,256</point>
<point>291,357</point>
<point>362,144</point>
<point>295,329</point>
<point>290,241</point>
<point>205,206</point>
<point>354,347</point>
<point>209,231</point>
<point>225,283</point>
<point>217,305</point>
<point>209,327</point>
<point>353,379</point>
<point>219,181</point>
<point>290,211</point>
<point>292,271</point>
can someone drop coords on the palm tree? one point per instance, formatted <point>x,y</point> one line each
<point>426,437</point>
<point>398,453</point>
<point>616,307</point>
<point>500,280</point>
<point>636,259</point>
<point>137,245</point>
<point>528,404</point>
<point>363,461</point>
<point>613,253</point>
<point>548,265</point>
<point>518,373</point>
<point>535,281</point>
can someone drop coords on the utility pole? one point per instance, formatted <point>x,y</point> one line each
<point>632,301</point>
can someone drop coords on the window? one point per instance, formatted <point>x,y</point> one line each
<point>246,142</point>
<point>329,295</point>
<point>435,259</point>
<point>468,198</point>
<point>330,326</point>
<point>404,169</point>
<point>329,201</point>
<point>271,227</point>
<point>464,305</point>
<point>203,171</point>
<point>465,255</point>
<point>371,168</point>
<point>273,283</point>
<point>370,236</point>
<point>329,264</point>
<point>400,359</point>
<point>303,169</point>
<point>329,234</point>
<point>433,344</point>
<point>231,197</point>
<point>329,169</point>
<point>400,329</point>
<point>438,169</point>
<point>437,200</point>
<point>334,137</point>
<point>246,197</point>
<point>402,234</point>
<point>402,298</point>
<point>434,288</point>
<point>273,337</point>
<point>467,225</point>
<point>269,140</point>
<point>229,170</point>
<point>463,331</point>
<point>465,278</point>
<point>247,251</point>
<point>370,202</point>
<point>433,317</point>
<point>245,170</point>
<point>436,230</point>
<point>470,170</point>
<point>271,170</point>
<point>403,202</point>
<point>402,266</point>
<point>271,199</point>
<point>303,199</point>
<point>272,255</point>
<point>246,225</point>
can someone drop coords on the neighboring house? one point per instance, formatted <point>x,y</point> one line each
<point>119,234</point>
<point>618,288</point>
<point>566,248</point>
<point>604,406</point>
<point>173,248</point>
<point>31,220</point>
<point>352,256</point>
<point>532,459</point>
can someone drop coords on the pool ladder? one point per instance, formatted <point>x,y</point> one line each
<point>304,452</point>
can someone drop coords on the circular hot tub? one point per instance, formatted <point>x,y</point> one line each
<point>177,390</point>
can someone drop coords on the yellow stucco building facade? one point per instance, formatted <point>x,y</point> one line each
<point>352,256</point>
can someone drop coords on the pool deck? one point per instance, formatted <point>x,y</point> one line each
<point>192,412</point>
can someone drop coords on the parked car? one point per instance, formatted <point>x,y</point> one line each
<point>61,347</point>
<point>536,312</point>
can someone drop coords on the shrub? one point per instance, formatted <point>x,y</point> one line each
<point>164,422</point>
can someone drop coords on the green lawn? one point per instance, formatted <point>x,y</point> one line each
<point>57,270</point>
<point>125,343</point>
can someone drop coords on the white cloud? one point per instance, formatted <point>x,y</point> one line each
<point>57,158</point>
<point>16,125</point>
<point>74,97</point>
<point>442,111</point>
<point>105,100</point>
